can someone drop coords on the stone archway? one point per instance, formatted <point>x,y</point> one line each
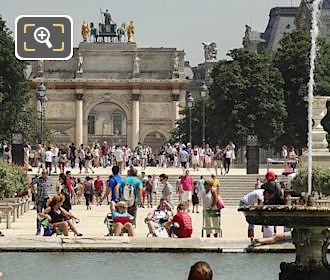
<point>107,121</point>
<point>155,140</point>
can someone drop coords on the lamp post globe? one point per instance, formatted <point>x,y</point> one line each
<point>41,91</point>
<point>204,90</point>
<point>190,100</point>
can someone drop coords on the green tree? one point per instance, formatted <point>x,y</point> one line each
<point>292,59</point>
<point>16,114</point>
<point>246,92</point>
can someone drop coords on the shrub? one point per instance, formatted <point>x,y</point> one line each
<point>320,180</point>
<point>12,180</point>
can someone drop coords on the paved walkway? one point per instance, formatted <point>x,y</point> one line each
<point>21,235</point>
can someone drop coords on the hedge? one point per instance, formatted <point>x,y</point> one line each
<point>12,180</point>
<point>320,180</point>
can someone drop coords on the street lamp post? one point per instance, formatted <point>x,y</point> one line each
<point>204,92</point>
<point>190,103</point>
<point>41,95</point>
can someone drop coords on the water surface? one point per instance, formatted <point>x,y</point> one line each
<point>135,266</point>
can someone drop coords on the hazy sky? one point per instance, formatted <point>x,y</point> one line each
<point>169,23</point>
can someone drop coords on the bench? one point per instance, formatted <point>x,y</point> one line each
<point>7,209</point>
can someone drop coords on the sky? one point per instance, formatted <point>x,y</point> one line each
<point>183,24</point>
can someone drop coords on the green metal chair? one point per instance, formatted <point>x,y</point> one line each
<point>212,213</point>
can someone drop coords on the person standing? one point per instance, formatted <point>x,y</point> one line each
<point>42,195</point>
<point>55,152</point>
<point>88,192</point>
<point>215,184</point>
<point>98,189</point>
<point>49,160</point>
<point>209,198</point>
<point>186,184</point>
<point>112,189</point>
<point>167,187</point>
<point>183,157</point>
<point>228,157</point>
<point>119,156</point>
<point>218,160</point>
<point>104,154</point>
<point>88,160</point>
<point>195,197</point>
<point>149,188</point>
<point>72,155</point>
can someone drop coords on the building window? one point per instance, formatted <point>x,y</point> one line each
<point>117,118</point>
<point>91,124</point>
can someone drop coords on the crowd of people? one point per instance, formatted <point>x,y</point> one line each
<point>56,159</point>
<point>125,195</point>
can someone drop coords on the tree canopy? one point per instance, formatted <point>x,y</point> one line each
<point>16,114</point>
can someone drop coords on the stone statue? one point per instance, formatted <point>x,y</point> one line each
<point>121,31</point>
<point>93,32</point>
<point>130,32</point>
<point>80,63</point>
<point>176,63</point>
<point>210,51</point>
<point>40,68</point>
<point>136,66</point>
<point>107,17</point>
<point>85,31</point>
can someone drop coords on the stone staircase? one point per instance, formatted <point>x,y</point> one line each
<point>233,187</point>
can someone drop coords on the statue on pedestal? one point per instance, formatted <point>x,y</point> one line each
<point>85,31</point>
<point>130,31</point>
<point>80,63</point>
<point>40,68</point>
<point>121,31</point>
<point>136,66</point>
<point>107,17</point>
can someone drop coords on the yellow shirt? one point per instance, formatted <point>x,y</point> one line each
<point>216,185</point>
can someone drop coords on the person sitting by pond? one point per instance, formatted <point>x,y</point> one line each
<point>121,219</point>
<point>159,217</point>
<point>60,218</point>
<point>181,224</point>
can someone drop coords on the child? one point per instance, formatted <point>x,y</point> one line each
<point>195,197</point>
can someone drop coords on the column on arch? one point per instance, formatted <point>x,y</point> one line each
<point>135,118</point>
<point>79,116</point>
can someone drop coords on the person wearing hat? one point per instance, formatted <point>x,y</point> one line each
<point>121,218</point>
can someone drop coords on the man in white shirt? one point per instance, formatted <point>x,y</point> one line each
<point>252,198</point>
<point>55,152</point>
<point>119,156</point>
<point>48,160</point>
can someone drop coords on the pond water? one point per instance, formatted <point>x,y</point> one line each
<point>135,266</point>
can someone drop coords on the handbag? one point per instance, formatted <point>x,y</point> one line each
<point>220,204</point>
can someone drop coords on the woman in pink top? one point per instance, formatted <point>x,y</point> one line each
<point>186,184</point>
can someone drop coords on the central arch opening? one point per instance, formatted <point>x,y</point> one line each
<point>107,122</point>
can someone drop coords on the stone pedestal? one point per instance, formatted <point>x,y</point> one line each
<point>310,235</point>
<point>320,151</point>
<point>311,262</point>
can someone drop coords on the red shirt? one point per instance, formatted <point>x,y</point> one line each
<point>187,183</point>
<point>184,220</point>
<point>69,185</point>
<point>98,185</point>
